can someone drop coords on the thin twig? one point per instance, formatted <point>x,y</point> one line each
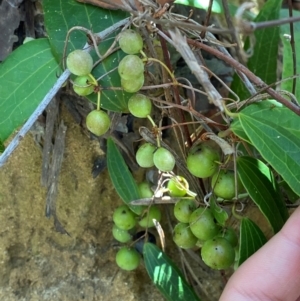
<point>292,42</point>
<point>252,77</point>
<point>183,48</point>
<point>233,33</point>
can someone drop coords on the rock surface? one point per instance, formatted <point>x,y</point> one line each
<point>37,263</point>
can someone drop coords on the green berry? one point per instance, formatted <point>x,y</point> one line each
<point>145,190</point>
<point>124,218</point>
<point>163,159</point>
<point>178,186</point>
<point>131,67</point>
<point>132,86</point>
<point>128,258</point>
<point>144,155</point>
<point>98,122</point>
<point>202,161</point>
<point>218,253</point>
<point>223,184</point>
<point>230,235</point>
<point>183,236</point>
<point>153,213</point>
<point>80,62</point>
<point>183,210</point>
<point>121,235</point>
<point>130,41</point>
<point>139,105</point>
<point>82,85</point>
<point>202,224</point>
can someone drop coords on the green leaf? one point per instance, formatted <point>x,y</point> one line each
<point>287,67</point>
<point>60,16</point>
<point>219,213</point>
<point>121,177</point>
<point>25,78</point>
<point>258,181</point>
<point>166,276</point>
<point>270,110</point>
<point>203,4</point>
<point>251,239</point>
<point>278,145</point>
<point>263,62</point>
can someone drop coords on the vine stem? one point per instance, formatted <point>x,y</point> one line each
<point>49,96</point>
<point>256,80</point>
<point>151,59</point>
<point>95,83</point>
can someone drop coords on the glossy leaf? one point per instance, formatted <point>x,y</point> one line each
<point>278,145</point>
<point>166,276</point>
<point>251,239</point>
<point>26,76</point>
<point>263,62</point>
<point>60,16</point>
<point>270,110</point>
<point>257,180</point>
<point>287,67</point>
<point>121,177</point>
<point>219,213</point>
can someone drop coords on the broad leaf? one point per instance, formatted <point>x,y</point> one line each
<point>121,177</point>
<point>166,276</point>
<point>278,145</point>
<point>60,16</point>
<point>263,62</point>
<point>287,67</point>
<point>270,110</point>
<point>219,213</point>
<point>257,180</point>
<point>25,77</point>
<point>251,239</point>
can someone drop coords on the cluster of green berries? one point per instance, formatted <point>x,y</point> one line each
<point>197,226</point>
<point>131,67</point>
<point>125,227</point>
<point>203,162</point>
<point>148,155</point>
<point>80,63</point>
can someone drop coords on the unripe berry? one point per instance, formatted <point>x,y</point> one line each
<point>80,62</point>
